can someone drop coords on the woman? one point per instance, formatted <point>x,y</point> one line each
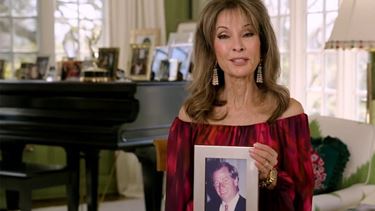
<point>235,101</point>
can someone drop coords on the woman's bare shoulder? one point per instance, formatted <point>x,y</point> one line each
<point>182,115</point>
<point>293,109</point>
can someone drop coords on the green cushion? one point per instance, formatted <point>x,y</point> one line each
<point>329,160</point>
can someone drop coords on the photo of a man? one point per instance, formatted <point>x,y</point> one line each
<point>139,60</point>
<point>222,186</point>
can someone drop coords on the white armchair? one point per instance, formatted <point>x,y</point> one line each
<point>358,182</point>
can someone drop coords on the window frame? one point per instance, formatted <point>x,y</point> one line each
<point>347,83</point>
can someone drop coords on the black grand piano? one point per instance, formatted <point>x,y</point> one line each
<point>85,118</point>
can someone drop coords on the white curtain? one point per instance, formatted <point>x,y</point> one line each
<point>123,16</point>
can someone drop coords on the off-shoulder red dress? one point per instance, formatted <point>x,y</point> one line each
<point>290,137</point>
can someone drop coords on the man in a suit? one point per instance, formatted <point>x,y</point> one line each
<point>225,181</point>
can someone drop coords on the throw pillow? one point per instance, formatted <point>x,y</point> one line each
<point>329,159</point>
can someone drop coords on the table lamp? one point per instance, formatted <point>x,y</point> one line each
<point>355,28</point>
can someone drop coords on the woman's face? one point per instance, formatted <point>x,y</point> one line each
<point>236,44</point>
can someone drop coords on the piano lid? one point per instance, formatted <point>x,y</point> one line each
<point>107,115</point>
<point>160,103</point>
<point>68,102</point>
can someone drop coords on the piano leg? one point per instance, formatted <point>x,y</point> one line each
<point>92,171</point>
<point>72,189</point>
<point>12,154</point>
<point>152,179</point>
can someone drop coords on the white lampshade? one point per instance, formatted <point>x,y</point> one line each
<point>354,26</point>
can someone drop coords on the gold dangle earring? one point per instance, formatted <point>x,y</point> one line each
<point>215,77</point>
<point>259,78</point>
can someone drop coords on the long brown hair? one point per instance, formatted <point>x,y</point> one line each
<point>204,97</point>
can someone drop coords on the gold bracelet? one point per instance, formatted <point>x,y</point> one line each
<point>272,176</point>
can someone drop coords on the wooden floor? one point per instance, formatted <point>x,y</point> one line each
<point>112,203</point>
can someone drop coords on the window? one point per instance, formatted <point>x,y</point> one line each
<point>334,77</point>
<point>74,29</point>
<point>321,66</point>
<point>78,28</point>
<point>18,33</point>
<point>324,81</point>
<point>280,17</point>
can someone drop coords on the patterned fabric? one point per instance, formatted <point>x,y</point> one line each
<point>290,137</point>
<point>320,173</point>
<point>329,160</point>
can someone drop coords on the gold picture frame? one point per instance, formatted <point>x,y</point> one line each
<point>108,59</point>
<point>149,36</point>
<point>139,68</point>
<point>2,68</point>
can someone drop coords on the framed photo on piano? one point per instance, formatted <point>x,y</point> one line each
<point>70,70</point>
<point>149,36</point>
<point>2,68</point>
<point>108,59</point>
<point>42,66</point>
<point>219,167</point>
<point>160,63</point>
<point>182,53</point>
<point>139,68</point>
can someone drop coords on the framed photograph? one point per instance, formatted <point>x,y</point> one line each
<point>2,68</point>
<point>159,64</point>
<point>27,71</point>
<point>189,26</point>
<point>108,59</point>
<point>149,36</point>
<point>176,38</point>
<point>139,62</point>
<point>42,66</point>
<point>71,70</point>
<point>221,173</point>
<point>182,52</point>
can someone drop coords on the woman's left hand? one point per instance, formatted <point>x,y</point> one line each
<point>265,159</point>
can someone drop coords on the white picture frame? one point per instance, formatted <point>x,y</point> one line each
<point>176,38</point>
<point>160,54</point>
<point>187,27</point>
<point>183,53</point>
<point>236,156</point>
